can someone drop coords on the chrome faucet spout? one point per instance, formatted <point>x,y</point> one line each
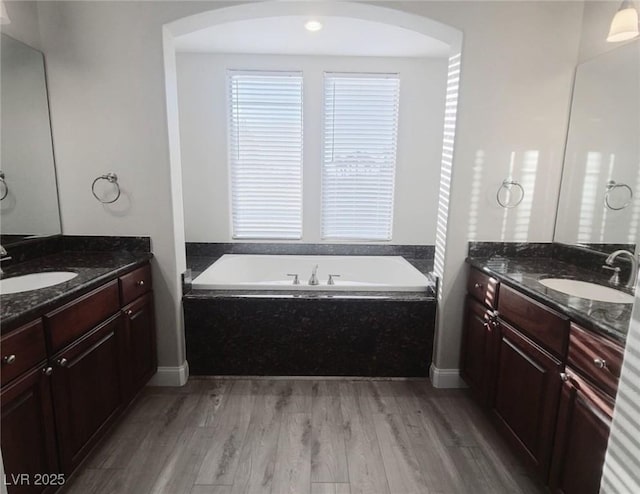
<point>631,282</point>
<point>314,276</point>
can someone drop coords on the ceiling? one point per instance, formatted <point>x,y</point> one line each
<point>286,35</point>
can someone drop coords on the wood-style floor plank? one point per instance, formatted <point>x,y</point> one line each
<point>329,488</point>
<point>292,473</point>
<point>275,436</point>
<point>328,451</point>
<point>223,450</point>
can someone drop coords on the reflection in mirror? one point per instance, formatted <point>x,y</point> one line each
<point>599,202</point>
<point>30,204</point>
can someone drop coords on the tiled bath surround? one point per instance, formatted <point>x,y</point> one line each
<point>309,333</point>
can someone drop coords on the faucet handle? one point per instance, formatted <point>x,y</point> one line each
<point>331,277</point>
<point>296,280</point>
<point>615,277</point>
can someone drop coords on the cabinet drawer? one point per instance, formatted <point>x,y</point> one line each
<point>597,357</point>
<point>22,349</point>
<point>545,326</point>
<point>70,321</point>
<point>483,288</point>
<point>134,284</point>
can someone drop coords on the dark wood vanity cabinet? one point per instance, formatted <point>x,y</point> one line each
<point>549,383</point>
<point>582,433</point>
<point>59,398</point>
<point>477,355</point>
<point>140,339</point>
<point>585,413</point>
<point>28,440</point>
<point>88,389</point>
<point>527,392</point>
<point>480,336</point>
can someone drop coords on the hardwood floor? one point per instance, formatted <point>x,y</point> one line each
<point>303,437</point>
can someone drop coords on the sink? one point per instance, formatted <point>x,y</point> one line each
<point>591,291</point>
<point>34,281</point>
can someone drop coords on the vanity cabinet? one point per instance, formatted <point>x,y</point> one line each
<point>67,376</point>
<point>140,343</point>
<point>550,384</point>
<point>480,336</point>
<point>527,392</point>
<point>88,389</point>
<point>28,440</point>
<point>586,409</point>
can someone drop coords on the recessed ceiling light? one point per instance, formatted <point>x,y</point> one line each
<point>313,25</point>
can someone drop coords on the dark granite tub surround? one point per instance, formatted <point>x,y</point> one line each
<point>524,273</point>
<point>93,268</point>
<point>295,336</point>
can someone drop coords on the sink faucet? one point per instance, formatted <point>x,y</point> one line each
<point>608,264</point>
<point>314,278</point>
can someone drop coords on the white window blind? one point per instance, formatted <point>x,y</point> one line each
<point>360,138</point>
<point>265,154</point>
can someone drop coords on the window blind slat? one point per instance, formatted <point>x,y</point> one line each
<point>265,154</point>
<point>360,139</point>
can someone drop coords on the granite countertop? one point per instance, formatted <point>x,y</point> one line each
<point>198,264</point>
<point>93,268</point>
<point>523,274</point>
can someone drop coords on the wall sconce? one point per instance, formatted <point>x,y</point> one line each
<point>624,25</point>
<point>4,16</point>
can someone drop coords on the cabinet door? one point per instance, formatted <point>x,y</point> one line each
<point>527,392</point>
<point>581,439</point>
<point>28,436</point>
<point>87,390</point>
<point>140,334</point>
<point>478,350</point>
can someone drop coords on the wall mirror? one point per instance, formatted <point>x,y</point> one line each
<point>29,206</point>
<point>599,204</point>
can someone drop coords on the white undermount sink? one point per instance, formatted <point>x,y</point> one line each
<point>590,291</point>
<point>34,281</point>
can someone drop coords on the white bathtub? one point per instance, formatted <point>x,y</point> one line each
<point>269,272</point>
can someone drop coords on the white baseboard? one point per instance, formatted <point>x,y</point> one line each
<point>445,378</point>
<point>171,376</point>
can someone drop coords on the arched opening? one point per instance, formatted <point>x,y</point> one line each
<point>420,34</point>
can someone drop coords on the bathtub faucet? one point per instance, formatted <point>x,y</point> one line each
<point>314,276</point>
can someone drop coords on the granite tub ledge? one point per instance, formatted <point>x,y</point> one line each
<point>93,269</point>
<point>524,274</point>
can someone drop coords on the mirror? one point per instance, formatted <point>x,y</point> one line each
<point>29,206</point>
<point>599,205</point>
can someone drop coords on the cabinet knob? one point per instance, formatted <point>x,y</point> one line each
<point>47,371</point>
<point>140,283</point>
<point>129,312</point>
<point>478,286</point>
<point>564,376</point>
<point>63,362</point>
<point>9,359</point>
<point>600,363</point>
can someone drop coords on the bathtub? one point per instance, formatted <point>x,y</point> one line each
<point>270,272</point>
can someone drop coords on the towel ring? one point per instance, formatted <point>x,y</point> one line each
<point>5,187</point>
<point>112,178</point>
<point>613,185</point>
<point>508,185</point>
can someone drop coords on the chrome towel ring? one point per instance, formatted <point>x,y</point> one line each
<point>508,186</point>
<point>111,178</point>
<point>613,185</point>
<point>4,186</point>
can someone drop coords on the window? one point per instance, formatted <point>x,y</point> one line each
<point>360,137</point>
<point>265,154</point>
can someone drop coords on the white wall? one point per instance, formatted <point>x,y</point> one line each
<point>202,98</point>
<point>24,23</point>
<point>105,67</point>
